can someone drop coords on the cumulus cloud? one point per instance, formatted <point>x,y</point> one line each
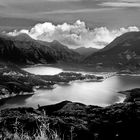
<point>74,35</point>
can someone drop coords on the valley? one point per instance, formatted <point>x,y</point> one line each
<point>69,69</point>
<point>67,95</point>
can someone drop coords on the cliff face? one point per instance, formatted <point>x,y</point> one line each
<point>76,121</point>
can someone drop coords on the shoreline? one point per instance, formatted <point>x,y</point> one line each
<point>131,95</point>
<point>83,68</point>
<point>86,70</point>
<point>52,80</point>
<point>72,67</point>
<point>59,83</point>
<point>66,118</point>
<point>3,100</point>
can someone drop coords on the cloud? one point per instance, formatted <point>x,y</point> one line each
<point>130,0</point>
<point>74,35</point>
<point>66,11</point>
<point>125,3</point>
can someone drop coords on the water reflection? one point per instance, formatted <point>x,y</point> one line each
<point>90,93</point>
<point>42,70</point>
<point>95,93</point>
<point>13,102</point>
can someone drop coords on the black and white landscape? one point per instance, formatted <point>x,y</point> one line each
<point>69,69</point>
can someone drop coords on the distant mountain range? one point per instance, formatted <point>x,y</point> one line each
<point>85,51</point>
<point>22,49</point>
<point>123,51</point>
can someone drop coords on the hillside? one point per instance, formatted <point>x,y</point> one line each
<point>124,51</point>
<point>24,50</point>
<point>74,121</point>
<point>85,51</point>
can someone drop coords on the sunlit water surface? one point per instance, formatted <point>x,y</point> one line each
<point>42,70</point>
<point>90,93</point>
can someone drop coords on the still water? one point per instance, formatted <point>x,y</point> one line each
<point>90,93</point>
<point>42,70</point>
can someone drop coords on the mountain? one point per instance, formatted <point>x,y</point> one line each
<point>85,51</point>
<point>123,51</point>
<point>22,49</point>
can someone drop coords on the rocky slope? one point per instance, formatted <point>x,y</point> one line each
<point>123,52</point>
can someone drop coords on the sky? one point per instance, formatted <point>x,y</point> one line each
<point>94,16</point>
<point>110,13</point>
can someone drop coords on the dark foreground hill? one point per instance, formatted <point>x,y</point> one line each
<point>74,121</point>
<point>22,49</point>
<point>123,52</point>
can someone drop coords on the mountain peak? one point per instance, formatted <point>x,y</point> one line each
<point>23,36</point>
<point>124,51</point>
<point>22,49</point>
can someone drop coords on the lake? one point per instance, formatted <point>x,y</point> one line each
<point>42,70</point>
<point>91,93</point>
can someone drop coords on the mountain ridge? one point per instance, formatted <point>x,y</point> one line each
<point>122,52</point>
<point>22,49</point>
